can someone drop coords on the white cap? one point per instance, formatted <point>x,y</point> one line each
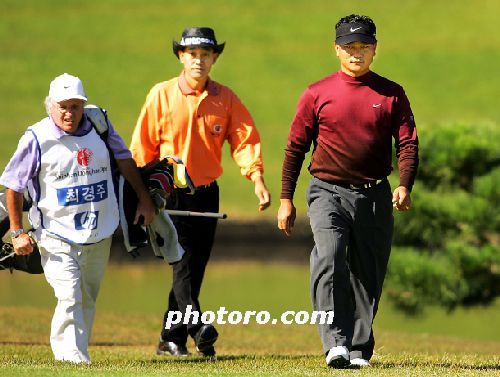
<point>66,87</point>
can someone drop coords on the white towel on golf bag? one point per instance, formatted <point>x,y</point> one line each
<point>163,238</point>
<point>161,232</point>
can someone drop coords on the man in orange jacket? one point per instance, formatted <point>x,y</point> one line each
<point>191,116</point>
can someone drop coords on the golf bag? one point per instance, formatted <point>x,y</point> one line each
<point>30,263</point>
<point>161,178</point>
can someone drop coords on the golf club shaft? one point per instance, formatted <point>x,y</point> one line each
<point>216,215</point>
<point>6,256</point>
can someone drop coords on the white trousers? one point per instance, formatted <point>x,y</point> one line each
<point>75,273</point>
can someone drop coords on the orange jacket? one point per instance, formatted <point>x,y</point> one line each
<point>176,121</point>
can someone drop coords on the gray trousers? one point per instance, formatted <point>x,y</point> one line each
<point>352,234</point>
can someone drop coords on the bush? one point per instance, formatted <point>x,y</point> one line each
<point>444,214</point>
<point>460,275</point>
<point>451,235</point>
<point>487,186</point>
<point>452,154</point>
<point>416,280</point>
<point>480,268</point>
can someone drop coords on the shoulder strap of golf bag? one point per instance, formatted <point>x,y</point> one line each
<point>99,119</point>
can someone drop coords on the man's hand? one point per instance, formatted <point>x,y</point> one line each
<point>286,216</point>
<point>146,209</point>
<point>262,193</point>
<point>23,244</point>
<point>401,199</point>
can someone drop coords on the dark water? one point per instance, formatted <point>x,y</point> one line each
<point>242,240</point>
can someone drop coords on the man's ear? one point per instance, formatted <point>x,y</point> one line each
<point>216,56</point>
<point>336,47</point>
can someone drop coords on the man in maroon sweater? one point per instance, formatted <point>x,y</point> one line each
<point>350,117</point>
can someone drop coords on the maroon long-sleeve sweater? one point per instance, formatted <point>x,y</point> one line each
<point>351,122</point>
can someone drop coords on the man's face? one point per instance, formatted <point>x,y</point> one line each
<point>198,62</point>
<point>67,114</point>
<point>356,57</point>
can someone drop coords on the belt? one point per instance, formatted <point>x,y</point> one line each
<point>204,187</point>
<point>366,185</point>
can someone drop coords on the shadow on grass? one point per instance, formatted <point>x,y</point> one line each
<point>194,359</point>
<point>418,363</point>
<point>223,358</point>
<point>95,344</point>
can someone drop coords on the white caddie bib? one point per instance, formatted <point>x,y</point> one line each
<point>76,200</point>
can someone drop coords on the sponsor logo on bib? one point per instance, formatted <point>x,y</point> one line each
<point>83,157</point>
<point>86,220</point>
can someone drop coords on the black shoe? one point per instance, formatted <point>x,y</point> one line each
<point>205,339</point>
<point>171,348</point>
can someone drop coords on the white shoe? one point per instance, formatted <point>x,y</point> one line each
<point>338,357</point>
<point>359,362</point>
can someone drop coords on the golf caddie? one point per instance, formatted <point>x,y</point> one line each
<point>351,117</point>
<point>66,168</point>
<point>191,116</point>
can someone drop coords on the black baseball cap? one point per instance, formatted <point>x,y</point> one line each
<point>355,32</point>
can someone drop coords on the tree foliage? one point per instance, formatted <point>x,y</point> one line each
<point>450,249</point>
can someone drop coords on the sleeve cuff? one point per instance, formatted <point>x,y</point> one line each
<point>254,175</point>
<point>12,185</point>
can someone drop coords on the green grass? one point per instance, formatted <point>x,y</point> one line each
<point>138,361</point>
<point>131,304</point>
<point>443,53</point>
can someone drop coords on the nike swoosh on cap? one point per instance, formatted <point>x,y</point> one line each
<point>353,30</point>
<point>377,105</point>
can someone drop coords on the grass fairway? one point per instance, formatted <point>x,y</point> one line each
<point>137,361</point>
<point>465,343</point>
<point>443,53</point>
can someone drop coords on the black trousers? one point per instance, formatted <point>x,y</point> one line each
<point>196,235</point>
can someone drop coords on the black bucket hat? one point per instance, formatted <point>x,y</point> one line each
<point>197,37</point>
